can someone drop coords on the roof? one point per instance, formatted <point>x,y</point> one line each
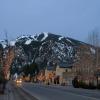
<point>65,65</point>
<point>50,68</point>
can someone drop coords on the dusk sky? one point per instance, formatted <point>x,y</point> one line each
<point>72,18</point>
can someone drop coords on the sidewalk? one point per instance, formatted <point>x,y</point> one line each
<point>14,92</point>
<point>8,95</point>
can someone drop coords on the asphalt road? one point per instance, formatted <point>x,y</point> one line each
<point>59,93</point>
<point>14,92</point>
<point>19,94</point>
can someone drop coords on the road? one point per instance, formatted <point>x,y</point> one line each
<point>14,92</point>
<point>60,93</point>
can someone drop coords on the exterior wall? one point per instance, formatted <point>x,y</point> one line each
<point>59,71</point>
<point>66,75</point>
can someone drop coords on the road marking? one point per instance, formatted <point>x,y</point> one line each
<point>87,97</point>
<point>93,98</point>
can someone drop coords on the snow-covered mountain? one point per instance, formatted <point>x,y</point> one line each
<point>46,49</point>
<point>3,43</point>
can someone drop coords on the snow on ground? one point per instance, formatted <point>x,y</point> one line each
<point>60,38</point>
<point>28,41</point>
<point>45,36</point>
<point>23,36</point>
<point>12,43</point>
<point>69,40</point>
<point>93,50</point>
<point>4,43</point>
<point>34,37</point>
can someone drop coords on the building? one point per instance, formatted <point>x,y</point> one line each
<point>60,74</point>
<point>65,73</point>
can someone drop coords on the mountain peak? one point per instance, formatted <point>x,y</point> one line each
<point>42,36</point>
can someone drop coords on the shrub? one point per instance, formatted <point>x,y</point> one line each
<point>98,86</point>
<point>75,83</point>
<point>81,84</point>
<point>92,86</point>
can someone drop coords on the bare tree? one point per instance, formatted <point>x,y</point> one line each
<point>94,39</point>
<point>84,65</point>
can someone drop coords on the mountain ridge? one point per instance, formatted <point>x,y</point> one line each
<point>45,49</point>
